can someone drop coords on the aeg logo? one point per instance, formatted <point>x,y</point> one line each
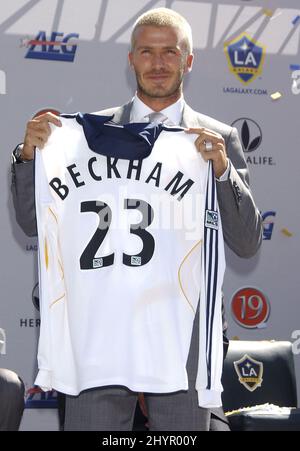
<point>55,49</point>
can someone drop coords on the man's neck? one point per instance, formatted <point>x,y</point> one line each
<point>157,103</point>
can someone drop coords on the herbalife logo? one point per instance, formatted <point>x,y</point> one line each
<point>251,138</point>
<point>250,133</point>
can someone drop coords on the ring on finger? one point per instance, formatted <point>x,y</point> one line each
<point>208,146</point>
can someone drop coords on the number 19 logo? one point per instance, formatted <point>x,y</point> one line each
<point>250,308</point>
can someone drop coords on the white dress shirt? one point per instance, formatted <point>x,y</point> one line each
<point>173,112</point>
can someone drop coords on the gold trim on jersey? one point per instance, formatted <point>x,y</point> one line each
<point>54,215</point>
<point>59,262</point>
<point>46,253</point>
<point>179,278</point>
<point>56,300</point>
<point>61,268</point>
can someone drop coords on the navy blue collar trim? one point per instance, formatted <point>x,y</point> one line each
<point>133,141</point>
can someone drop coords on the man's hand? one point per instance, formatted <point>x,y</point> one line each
<point>215,151</point>
<point>37,133</point>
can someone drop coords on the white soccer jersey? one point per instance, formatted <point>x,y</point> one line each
<point>126,247</point>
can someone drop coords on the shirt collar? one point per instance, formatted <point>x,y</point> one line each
<point>174,112</point>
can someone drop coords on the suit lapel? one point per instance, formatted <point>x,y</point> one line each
<point>122,114</point>
<point>190,119</point>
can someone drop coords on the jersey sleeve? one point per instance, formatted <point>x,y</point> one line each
<point>210,361</point>
<point>51,276</point>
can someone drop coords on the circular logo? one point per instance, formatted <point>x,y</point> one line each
<point>250,133</point>
<point>35,296</point>
<point>250,308</point>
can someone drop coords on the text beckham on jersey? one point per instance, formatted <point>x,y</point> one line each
<point>176,184</point>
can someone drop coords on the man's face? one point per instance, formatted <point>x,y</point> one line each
<point>160,60</point>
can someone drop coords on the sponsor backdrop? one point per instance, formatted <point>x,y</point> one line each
<point>71,55</point>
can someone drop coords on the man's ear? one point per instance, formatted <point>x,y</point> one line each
<point>130,60</point>
<point>189,63</point>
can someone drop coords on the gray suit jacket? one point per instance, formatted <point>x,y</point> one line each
<point>242,223</point>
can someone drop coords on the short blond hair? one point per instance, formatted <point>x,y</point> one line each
<point>165,17</point>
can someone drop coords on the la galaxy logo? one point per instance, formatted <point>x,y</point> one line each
<point>57,48</point>
<point>245,57</point>
<point>250,372</point>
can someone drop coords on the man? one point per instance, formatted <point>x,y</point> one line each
<point>11,400</point>
<point>160,56</point>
